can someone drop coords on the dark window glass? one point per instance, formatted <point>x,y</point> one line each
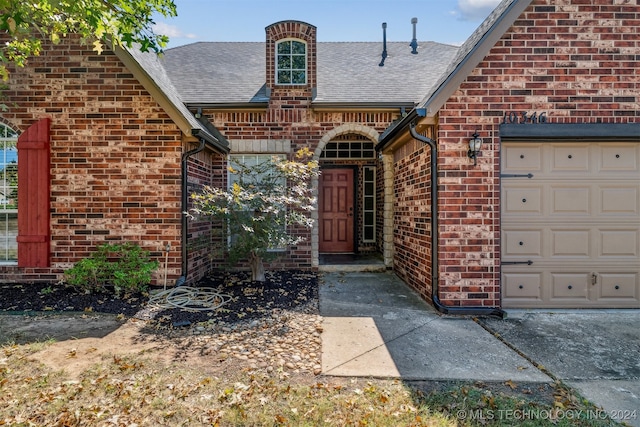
<point>291,62</point>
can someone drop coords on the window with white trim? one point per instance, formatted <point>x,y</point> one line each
<point>291,62</point>
<point>8,195</point>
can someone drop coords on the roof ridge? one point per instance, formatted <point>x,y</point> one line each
<point>319,42</point>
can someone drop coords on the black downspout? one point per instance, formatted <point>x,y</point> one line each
<point>185,221</point>
<point>473,311</point>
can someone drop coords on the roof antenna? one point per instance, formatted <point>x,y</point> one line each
<point>384,44</point>
<point>414,41</point>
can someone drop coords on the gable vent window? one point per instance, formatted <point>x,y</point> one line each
<point>349,147</point>
<point>291,63</point>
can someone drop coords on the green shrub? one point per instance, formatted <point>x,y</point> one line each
<point>123,267</point>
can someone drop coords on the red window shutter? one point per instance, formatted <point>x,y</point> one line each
<point>33,195</point>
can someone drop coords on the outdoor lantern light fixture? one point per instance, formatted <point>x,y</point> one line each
<point>475,144</point>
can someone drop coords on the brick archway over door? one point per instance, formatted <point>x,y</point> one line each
<point>340,130</point>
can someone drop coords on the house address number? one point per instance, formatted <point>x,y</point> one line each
<point>524,117</point>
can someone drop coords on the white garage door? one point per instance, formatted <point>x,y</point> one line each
<point>570,224</point>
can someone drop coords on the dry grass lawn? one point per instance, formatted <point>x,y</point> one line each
<point>120,373</point>
<point>138,389</point>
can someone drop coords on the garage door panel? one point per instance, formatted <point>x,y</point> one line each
<point>570,243</point>
<point>620,243</point>
<point>618,158</point>
<point>570,224</point>
<point>524,286</point>
<point>619,286</point>
<point>523,242</point>
<point>523,200</point>
<point>522,158</point>
<point>570,158</point>
<point>570,286</point>
<point>619,200</point>
<point>570,200</point>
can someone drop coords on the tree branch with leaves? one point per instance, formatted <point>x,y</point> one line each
<point>118,22</point>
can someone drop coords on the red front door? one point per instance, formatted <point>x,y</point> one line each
<point>336,210</point>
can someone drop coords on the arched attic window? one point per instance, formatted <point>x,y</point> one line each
<point>291,62</point>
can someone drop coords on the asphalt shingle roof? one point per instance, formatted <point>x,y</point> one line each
<point>348,72</point>
<point>150,63</point>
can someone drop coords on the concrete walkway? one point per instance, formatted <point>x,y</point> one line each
<point>376,326</point>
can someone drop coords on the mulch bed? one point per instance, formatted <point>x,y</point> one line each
<point>247,300</point>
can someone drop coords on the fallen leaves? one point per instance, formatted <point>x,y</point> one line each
<point>134,391</point>
<point>124,365</point>
<point>564,398</point>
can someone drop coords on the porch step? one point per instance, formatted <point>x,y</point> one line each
<point>351,262</point>
<point>337,268</point>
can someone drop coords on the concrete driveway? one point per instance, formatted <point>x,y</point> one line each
<point>597,352</point>
<point>376,326</point>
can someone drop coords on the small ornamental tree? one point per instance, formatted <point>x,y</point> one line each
<point>261,206</point>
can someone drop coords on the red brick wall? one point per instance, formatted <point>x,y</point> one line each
<point>412,216</point>
<point>115,157</point>
<point>576,61</point>
<point>205,168</point>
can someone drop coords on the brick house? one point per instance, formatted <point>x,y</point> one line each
<point>103,144</point>
<point>127,136</point>
<point>336,101</point>
<point>545,214</point>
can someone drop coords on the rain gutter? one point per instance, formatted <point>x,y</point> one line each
<point>458,310</point>
<point>184,206</point>
<point>361,106</point>
<point>256,105</point>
